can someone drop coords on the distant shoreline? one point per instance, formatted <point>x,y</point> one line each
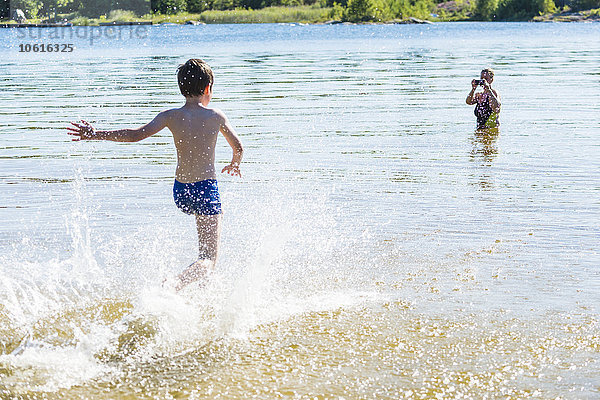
<point>298,15</point>
<point>411,21</point>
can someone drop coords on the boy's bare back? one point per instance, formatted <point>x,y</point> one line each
<point>195,129</point>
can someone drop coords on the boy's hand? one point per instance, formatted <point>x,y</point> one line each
<point>84,131</point>
<point>232,169</point>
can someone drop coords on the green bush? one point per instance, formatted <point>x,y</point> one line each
<point>330,3</point>
<point>410,8</point>
<point>337,11</point>
<point>82,21</point>
<point>121,15</point>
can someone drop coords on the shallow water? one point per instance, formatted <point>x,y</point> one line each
<point>376,247</point>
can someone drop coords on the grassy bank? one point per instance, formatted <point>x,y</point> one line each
<point>306,14</point>
<point>273,14</point>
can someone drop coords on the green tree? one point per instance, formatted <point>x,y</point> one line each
<point>254,4</point>
<point>224,4</point>
<point>139,7</point>
<point>197,6</point>
<point>548,6</point>
<point>486,9</point>
<point>380,10</point>
<point>578,5</point>
<point>4,9</point>
<point>31,8</point>
<point>524,9</point>
<point>359,10</point>
<point>169,6</point>
<point>95,8</point>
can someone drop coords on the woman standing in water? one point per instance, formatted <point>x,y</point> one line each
<point>487,103</point>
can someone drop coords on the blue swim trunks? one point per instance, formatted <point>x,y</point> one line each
<point>198,197</point>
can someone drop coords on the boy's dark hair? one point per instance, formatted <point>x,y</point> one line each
<point>193,77</point>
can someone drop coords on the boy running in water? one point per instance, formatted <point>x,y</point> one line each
<point>195,128</point>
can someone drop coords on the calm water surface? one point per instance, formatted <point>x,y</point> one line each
<point>376,246</point>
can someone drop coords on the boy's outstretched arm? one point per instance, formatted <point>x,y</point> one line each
<point>85,131</point>
<point>236,145</point>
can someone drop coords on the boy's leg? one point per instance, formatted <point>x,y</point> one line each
<point>209,233</point>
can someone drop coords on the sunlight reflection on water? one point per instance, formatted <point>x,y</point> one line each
<point>377,247</point>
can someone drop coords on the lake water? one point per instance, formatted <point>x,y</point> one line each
<point>377,247</point>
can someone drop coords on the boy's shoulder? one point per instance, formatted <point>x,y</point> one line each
<point>218,112</point>
<point>209,111</point>
<point>167,113</point>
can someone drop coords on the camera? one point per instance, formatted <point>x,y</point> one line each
<point>479,82</point>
